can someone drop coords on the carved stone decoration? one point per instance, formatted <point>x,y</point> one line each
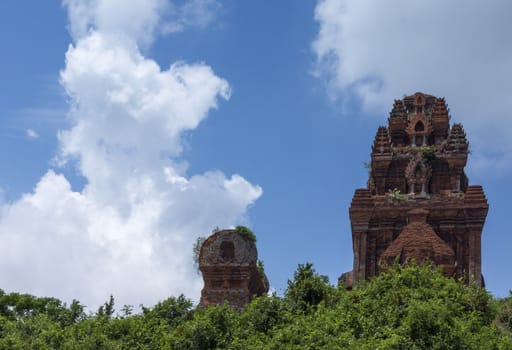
<point>440,120</point>
<point>381,143</point>
<point>397,123</point>
<point>228,262</point>
<point>418,173</point>
<point>456,141</point>
<point>425,157</point>
<point>419,129</point>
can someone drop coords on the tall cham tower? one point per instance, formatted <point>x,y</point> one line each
<point>418,204</point>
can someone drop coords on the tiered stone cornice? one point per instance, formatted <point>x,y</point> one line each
<point>382,143</point>
<point>397,123</point>
<point>398,111</point>
<point>440,120</point>
<point>457,141</point>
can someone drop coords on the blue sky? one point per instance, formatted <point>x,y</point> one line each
<point>265,119</point>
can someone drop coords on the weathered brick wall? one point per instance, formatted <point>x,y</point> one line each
<point>228,263</point>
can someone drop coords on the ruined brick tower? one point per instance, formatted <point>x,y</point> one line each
<point>418,203</point>
<point>228,262</point>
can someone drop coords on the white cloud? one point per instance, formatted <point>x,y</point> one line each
<point>31,134</point>
<point>135,21</point>
<point>374,52</point>
<point>193,13</point>
<point>130,230</point>
<point>141,19</point>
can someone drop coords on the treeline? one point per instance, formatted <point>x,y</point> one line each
<point>406,308</point>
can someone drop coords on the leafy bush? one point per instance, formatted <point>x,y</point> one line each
<point>307,289</point>
<point>412,307</point>
<point>395,196</point>
<point>244,231</point>
<point>428,153</point>
<point>196,250</point>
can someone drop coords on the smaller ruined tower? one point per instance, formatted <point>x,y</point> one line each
<point>228,261</point>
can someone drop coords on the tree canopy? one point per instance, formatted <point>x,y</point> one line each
<point>412,307</point>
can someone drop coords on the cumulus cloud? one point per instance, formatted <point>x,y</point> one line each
<point>373,52</point>
<point>129,232</point>
<point>134,21</point>
<point>31,134</point>
<point>193,13</point>
<point>141,19</point>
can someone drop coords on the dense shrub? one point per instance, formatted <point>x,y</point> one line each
<point>406,308</point>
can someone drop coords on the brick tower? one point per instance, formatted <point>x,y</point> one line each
<point>418,204</point>
<point>228,262</point>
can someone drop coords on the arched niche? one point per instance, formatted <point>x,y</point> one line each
<point>227,251</point>
<point>419,130</point>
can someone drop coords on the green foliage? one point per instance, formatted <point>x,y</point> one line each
<point>210,328</point>
<point>504,314</point>
<point>196,250</point>
<point>412,307</point>
<point>260,266</point>
<point>418,308</point>
<point>244,231</point>
<point>428,152</point>
<point>395,196</point>
<point>307,289</point>
<point>107,309</point>
<point>172,310</point>
<point>16,306</point>
<point>443,145</point>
